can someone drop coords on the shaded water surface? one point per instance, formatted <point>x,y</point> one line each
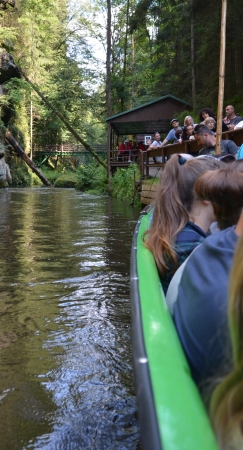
<point>66,378</point>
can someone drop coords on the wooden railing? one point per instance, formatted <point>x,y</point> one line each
<point>190,147</point>
<point>67,148</point>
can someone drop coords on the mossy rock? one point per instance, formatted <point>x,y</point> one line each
<point>66,181</point>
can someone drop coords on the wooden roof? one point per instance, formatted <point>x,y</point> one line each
<point>148,118</point>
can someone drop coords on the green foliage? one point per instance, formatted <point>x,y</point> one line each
<point>92,177</point>
<point>152,180</point>
<point>124,184</point>
<point>51,175</point>
<point>35,180</point>
<point>185,113</point>
<point>20,175</point>
<point>151,56</point>
<point>66,180</point>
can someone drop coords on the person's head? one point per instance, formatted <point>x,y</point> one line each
<point>226,406</point>
<point>223,188</point>
<point>204,113</point>
<point>237,165</point>
<point>203,135</point>
<point>210,122</point>
<point>174,204</point>
<point>178,133</point>
<point>230,111</point>
<point>189,130</point>
<point>188,121</point>
<point>175,123</point>
<point>157,136</point>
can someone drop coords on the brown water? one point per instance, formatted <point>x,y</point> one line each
<point>66,378</point>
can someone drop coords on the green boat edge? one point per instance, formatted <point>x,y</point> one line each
<point>170,410</point>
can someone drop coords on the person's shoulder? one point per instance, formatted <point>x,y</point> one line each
<point>237,119</point>
<point>216,243</point>
<point>203,151</point>
<point>228,142</point>
<point>221,241</point>
<point>171,132</point>
<point>239,125</point>
<point>231,145</point>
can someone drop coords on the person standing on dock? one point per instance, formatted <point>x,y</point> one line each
<point>155,145</point>
<point>204,136</point>
<point>171,136</point>
<point>231,119</point>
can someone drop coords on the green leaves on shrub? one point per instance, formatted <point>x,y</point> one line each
<point>92,177</point>
<point>124,184</point>
<point>66,180</point>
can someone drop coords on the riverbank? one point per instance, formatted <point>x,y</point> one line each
<point>91,178</point>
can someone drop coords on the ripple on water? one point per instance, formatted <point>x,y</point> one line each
<point>65,350</point>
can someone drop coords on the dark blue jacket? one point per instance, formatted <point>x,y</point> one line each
<point>200,313</point>
<point>185,242</point>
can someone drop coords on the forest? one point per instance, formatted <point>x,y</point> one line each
<point>94,59</point>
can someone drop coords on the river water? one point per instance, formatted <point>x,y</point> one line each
<point>66,379</point>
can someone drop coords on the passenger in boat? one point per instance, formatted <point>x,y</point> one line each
<point>226,405</point>
<point>231,119</point>
<point>200,312</point>
<point>187,133</point>
<point>204,136</point>
<point>171,136</point>
<point>180,220</point>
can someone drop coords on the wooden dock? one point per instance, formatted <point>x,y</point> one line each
<point>149,192</point>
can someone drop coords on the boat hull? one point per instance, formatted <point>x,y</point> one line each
<point>171,413</point>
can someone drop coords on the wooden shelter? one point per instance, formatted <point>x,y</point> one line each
<point>145,119</point>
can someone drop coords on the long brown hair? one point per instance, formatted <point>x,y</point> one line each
<point>226,408</point>
<point>224,189</point>
<point>174,202</point>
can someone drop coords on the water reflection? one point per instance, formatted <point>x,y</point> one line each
<point>65,351</point>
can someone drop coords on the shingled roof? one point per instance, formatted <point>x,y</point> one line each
<point>149,117</point>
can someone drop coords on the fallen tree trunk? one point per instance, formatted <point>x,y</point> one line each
<point>28,161</point>
<point>64,120</point>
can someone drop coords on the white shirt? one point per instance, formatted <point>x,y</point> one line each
<point>239,125</point>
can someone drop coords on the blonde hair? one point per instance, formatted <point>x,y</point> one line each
<point>186,118</point>
<point>209,119</point>
<point>226,407</point>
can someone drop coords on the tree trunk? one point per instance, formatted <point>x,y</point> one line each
<point>125,59</point>
<point>133,63</point>
<point>193,62</point>
<point>108,61</point>
<point>28,161</point>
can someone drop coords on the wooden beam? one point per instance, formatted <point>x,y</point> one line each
<point>221,77</point>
